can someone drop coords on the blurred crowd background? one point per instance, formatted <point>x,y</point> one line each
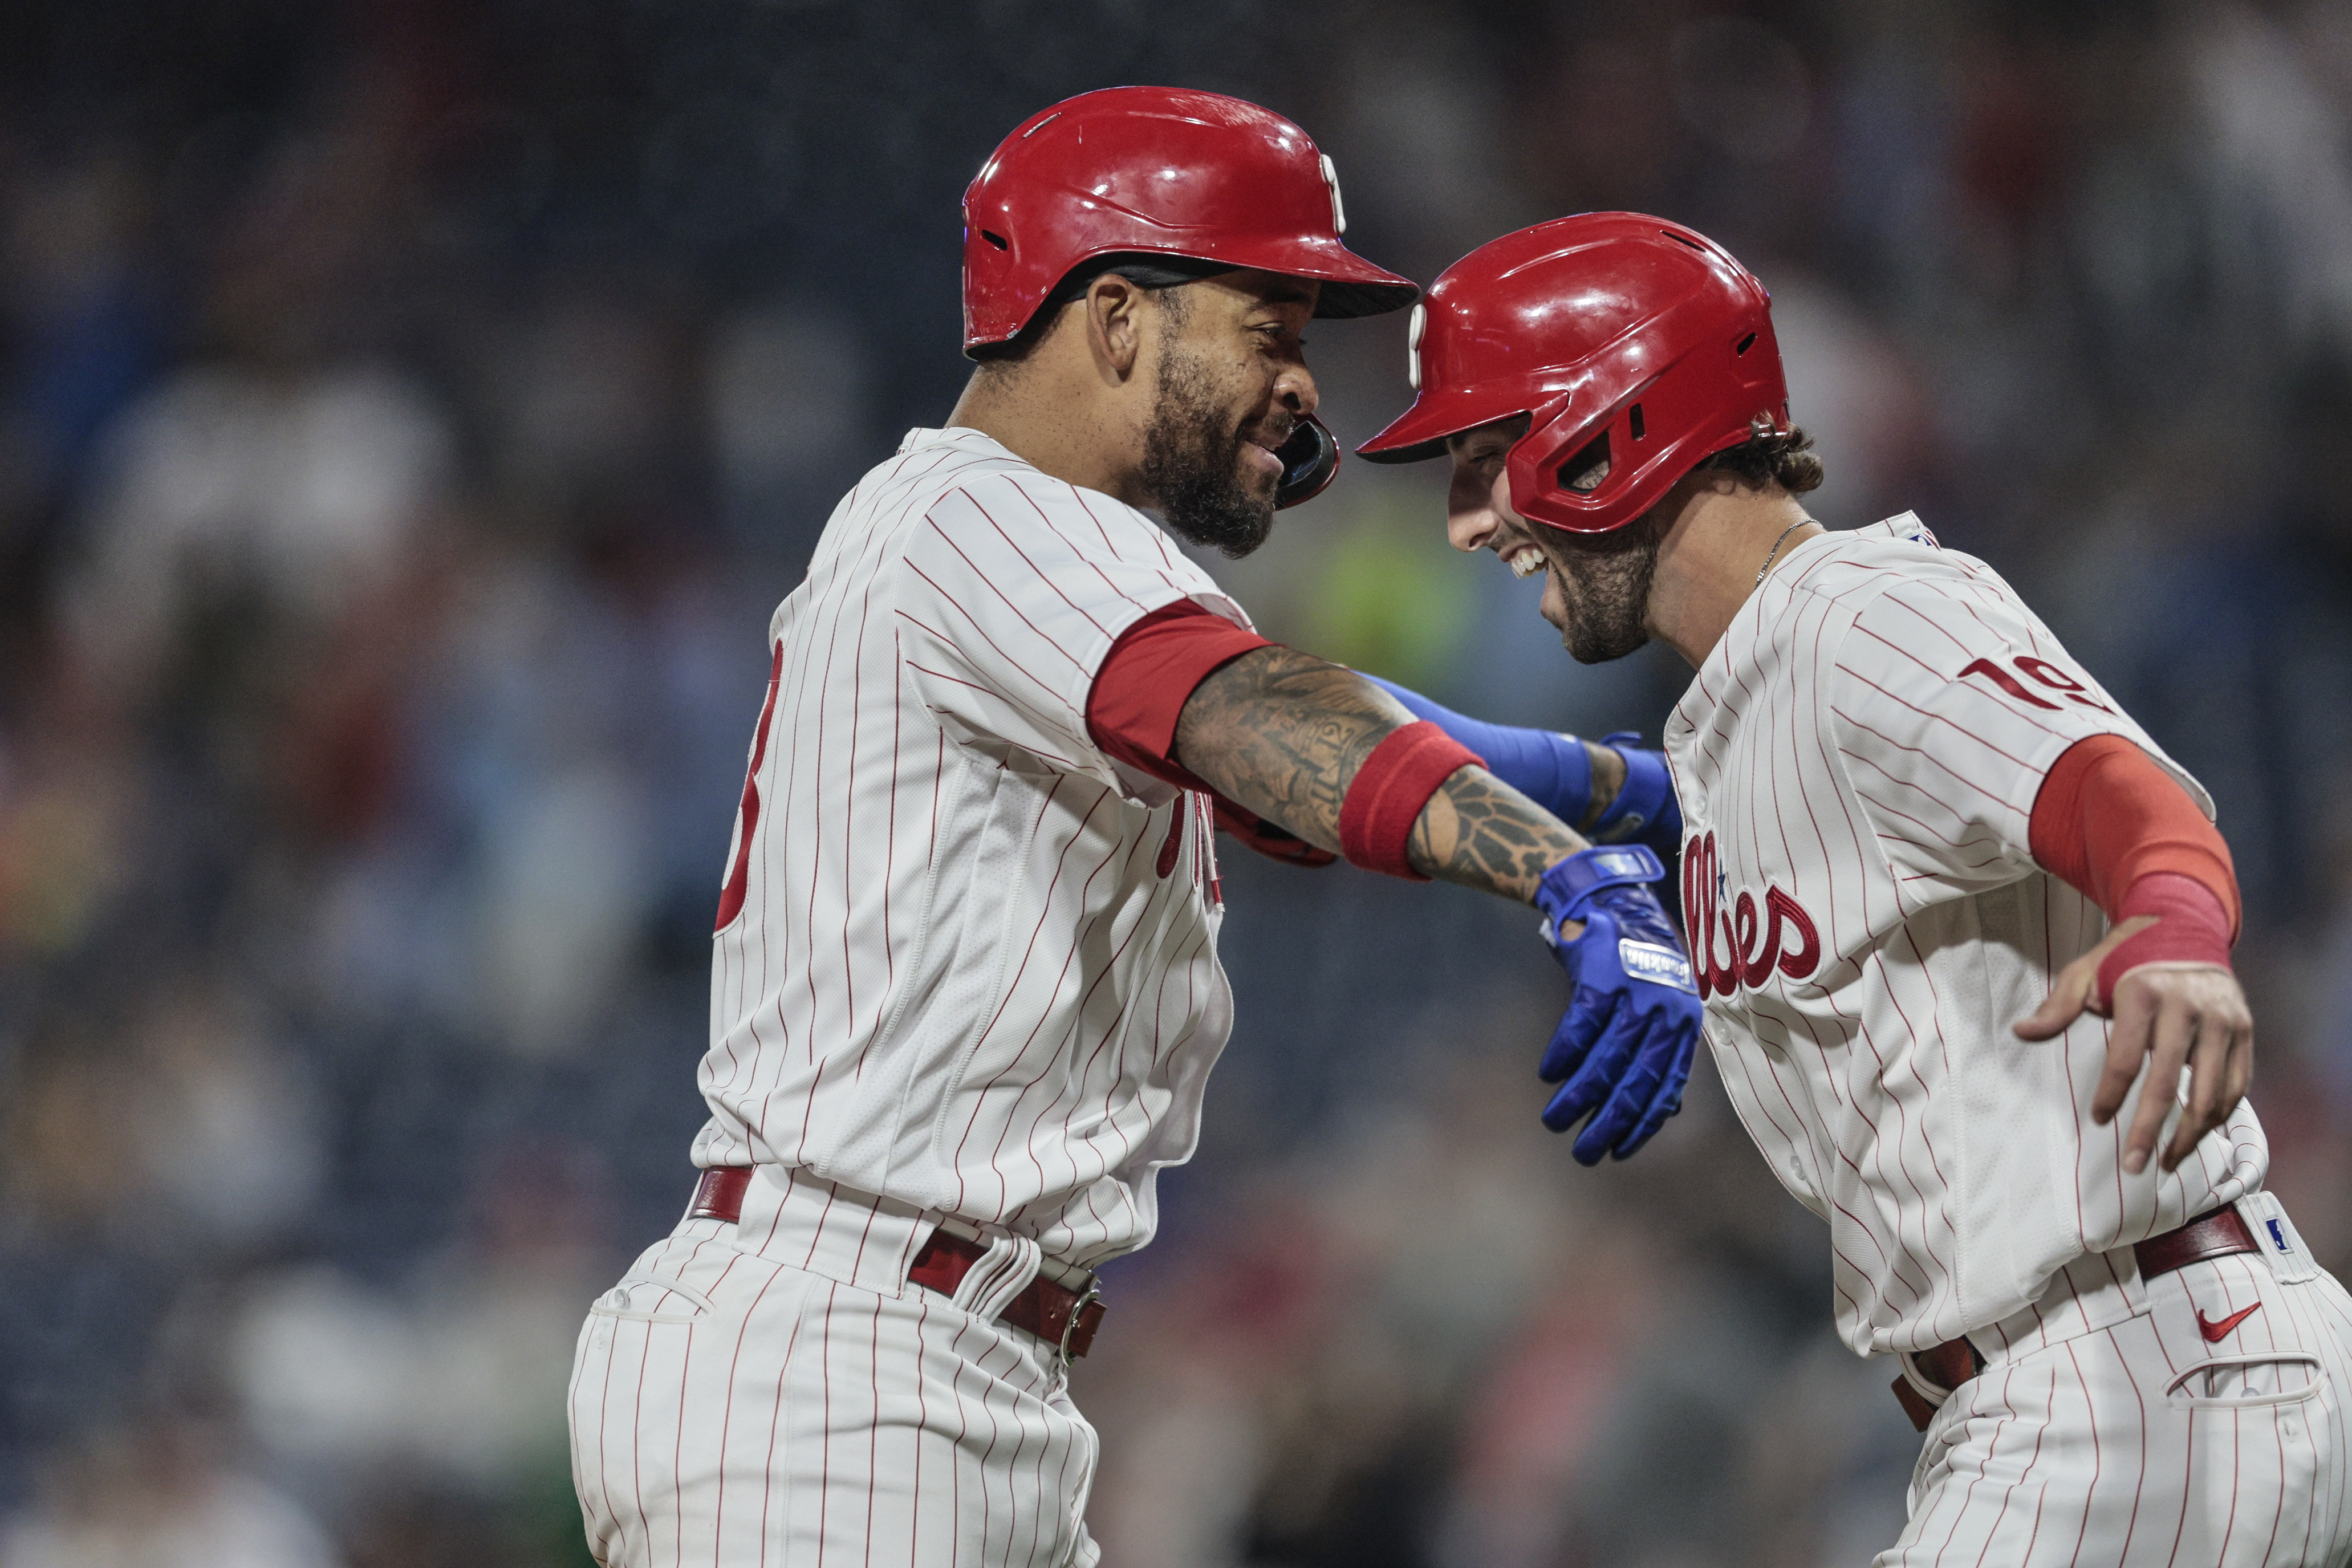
<point>409,411</point>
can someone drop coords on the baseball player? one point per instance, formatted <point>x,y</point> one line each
<point>1959,923</point>
<point>965,993</point>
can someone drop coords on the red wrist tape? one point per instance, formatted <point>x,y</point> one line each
<point>2191,927</point>
<point>1388,793</point>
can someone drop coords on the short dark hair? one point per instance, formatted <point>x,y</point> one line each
<point>1785,459</point>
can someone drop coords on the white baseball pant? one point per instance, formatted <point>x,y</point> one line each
<point>773,1394</point>
<point>2198,1417</point>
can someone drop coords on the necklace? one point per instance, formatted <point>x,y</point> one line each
<point>1776,551</point>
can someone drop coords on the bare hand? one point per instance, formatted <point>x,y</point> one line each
<point>2181,1012</point>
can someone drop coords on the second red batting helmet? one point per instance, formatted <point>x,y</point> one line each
<point>1638,349</point>
<point>1158,171</point>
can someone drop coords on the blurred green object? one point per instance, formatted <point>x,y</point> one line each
<point>1390,595</point>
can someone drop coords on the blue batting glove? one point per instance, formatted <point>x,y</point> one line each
<point>1625,1045</point>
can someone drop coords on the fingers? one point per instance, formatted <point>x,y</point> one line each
<point>2072,992</point>
<point>1595,1089</point>
<point>2076,989</point>
<point>2220,1066</point>
<point>1668,1099</point>
<point>1628,1101</point>
<point>1588,1016</point>
<point>1601,1086</point>
<point>1604,1060</point>
<point>2169,1017</point>
<point>2127,1042</point>
<point>2174,1032</point>
<point>2208,1065</point>
<point>1656,1045</point>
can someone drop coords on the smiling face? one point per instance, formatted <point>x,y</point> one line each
<point>1232,384</point>
<point>1597,585</point>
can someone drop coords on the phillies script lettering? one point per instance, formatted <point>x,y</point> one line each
<point>1782,936</point>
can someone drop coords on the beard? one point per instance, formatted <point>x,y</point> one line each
<point>1605,587</point>
<point>1192,465</point>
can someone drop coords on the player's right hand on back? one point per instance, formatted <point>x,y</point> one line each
<point>1625,1045</point>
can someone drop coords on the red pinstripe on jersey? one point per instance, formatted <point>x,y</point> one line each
<point>945,978</point>
<point>1834,749</point>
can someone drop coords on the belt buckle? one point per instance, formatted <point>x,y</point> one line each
<point>1087,1298</point>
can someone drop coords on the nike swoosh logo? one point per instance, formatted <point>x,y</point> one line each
<point>2215,1333</point>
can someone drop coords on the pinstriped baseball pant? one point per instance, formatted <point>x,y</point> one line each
<point>2152,1441</point>
<point>774,1392</point>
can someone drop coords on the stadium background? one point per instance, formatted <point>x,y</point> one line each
<point>409,413</point>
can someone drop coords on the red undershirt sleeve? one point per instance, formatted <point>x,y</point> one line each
<point>1144,681</point>
<point>2112,824</point>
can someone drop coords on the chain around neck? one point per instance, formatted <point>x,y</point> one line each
<point>1775,552</point>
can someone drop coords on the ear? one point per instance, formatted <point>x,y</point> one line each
<point>1114,309</point>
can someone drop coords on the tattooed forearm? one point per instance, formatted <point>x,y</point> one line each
<point>1480,832</point>
<point>1282,734</point>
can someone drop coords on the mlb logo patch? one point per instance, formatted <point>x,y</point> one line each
<point>2274,1235</point>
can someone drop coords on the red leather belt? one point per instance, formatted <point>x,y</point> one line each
<point>2217,1233</point>
<point>1054,1313</point>
<point>720,1194</point>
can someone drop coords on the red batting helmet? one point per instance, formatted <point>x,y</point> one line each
<point>1162,171</point>
<point>1626,340</point>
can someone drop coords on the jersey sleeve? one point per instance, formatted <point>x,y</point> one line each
<point>1150,672</point>
<point>1013,591</point>
<point>1950,702</point>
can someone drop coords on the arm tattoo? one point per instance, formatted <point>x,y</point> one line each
<point>1480,832</point>
<point>1282,734</point>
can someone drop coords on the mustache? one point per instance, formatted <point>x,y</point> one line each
<point>1276,427</point>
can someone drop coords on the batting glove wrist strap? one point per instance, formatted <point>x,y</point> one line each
<point>1569,886</point>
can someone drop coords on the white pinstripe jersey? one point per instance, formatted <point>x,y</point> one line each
<point>1857,762</point>
<point>974,964</point>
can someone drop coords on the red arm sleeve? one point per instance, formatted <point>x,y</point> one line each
<point>1147,676</point>
<point>2111,824</point>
